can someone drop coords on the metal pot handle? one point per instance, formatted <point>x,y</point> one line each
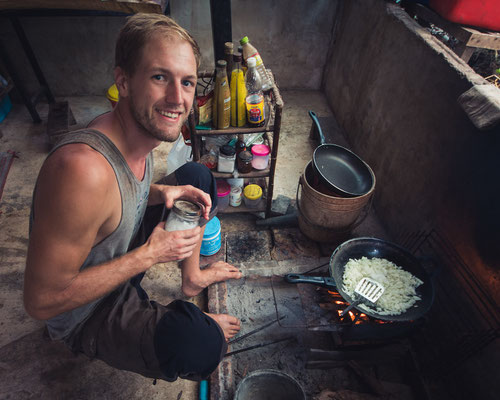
<point>359,220</point>
<point>315,280</point>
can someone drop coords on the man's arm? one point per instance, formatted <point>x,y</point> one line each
<point>75,208</point>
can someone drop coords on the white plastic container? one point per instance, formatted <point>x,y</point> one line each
<point>260,154</point>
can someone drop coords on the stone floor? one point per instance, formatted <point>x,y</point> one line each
<point>30,365</point>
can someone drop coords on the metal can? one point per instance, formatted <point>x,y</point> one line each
<point>235,196</point>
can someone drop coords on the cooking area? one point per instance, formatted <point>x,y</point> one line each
<point>377,152</point>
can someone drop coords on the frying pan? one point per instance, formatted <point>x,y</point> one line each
<point>340,169</point>
<point>372,247</point>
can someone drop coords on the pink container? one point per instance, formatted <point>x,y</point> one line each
<point>223,191</point>
<point>260,154</point>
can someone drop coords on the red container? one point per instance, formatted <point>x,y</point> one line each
<point>480,13</point>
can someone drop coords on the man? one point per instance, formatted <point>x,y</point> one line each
<point>83,272</point>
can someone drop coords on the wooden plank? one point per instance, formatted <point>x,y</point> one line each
<point>129,6</point>
<point>484,40</point>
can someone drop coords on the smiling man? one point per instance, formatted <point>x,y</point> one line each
<point>95,222</point>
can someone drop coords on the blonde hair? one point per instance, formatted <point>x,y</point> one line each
<point>138,30</point>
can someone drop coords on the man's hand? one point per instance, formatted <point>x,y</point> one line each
<point>168,194</point>
<point>172,246</point>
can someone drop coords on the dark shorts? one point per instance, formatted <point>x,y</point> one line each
<point>130,332</point>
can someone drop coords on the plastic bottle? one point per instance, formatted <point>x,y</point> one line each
<point>238,94</point>
<point>255,96</point>
<point>222,98</point>
<point>250,51</point>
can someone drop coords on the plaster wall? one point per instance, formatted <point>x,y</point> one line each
<point>76,54</point>
<point>393,89</point>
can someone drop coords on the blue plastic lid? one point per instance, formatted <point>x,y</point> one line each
<point>212,227</point>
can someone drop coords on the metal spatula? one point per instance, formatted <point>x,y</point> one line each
<point>367,290</point>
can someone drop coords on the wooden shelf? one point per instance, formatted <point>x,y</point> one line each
<point>271,129</point>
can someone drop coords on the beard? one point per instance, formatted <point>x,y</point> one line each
<point>151,128</point>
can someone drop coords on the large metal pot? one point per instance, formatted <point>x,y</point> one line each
<point>373,247</point>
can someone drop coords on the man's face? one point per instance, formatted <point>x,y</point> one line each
<point>162,89</point>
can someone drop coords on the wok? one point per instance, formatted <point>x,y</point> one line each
<point>340,169</point>
<point>373,247</point>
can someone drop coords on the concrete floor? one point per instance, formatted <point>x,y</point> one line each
<point>30,365</point>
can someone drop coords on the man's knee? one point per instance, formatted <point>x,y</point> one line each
<point>188,343</point>
<point>195,174</point>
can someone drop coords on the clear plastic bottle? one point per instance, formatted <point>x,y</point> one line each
<point>238,94</point>
<point>255,96</point>
<point>222,98</point>
<point>250,51</point>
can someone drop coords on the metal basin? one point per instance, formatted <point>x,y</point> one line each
<point>269,384</point>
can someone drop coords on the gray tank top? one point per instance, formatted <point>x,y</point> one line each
<point>134,196</point>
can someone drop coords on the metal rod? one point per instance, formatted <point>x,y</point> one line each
<point>235,340</point>
<point>232,353</point>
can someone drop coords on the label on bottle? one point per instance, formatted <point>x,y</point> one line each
<point>255,109</point>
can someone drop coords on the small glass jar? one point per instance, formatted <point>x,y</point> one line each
<point>209,160</point>
<point>245,162</point>
<point>260,154</point>
<point>183,215</point>
<point>227,157</point>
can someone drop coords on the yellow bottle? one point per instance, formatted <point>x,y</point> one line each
<point>238,94</point>
<point>222,98</point>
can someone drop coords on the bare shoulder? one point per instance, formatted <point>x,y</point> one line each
<point>77,158</point>
<point>74,181</point>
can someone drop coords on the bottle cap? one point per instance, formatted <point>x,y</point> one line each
<point>228,47</point>
<point>252,192</point>
<point>222,63</point>
<point>251,61</point>
<point>244,40</point>
<point>245,156</point>
<point>237,57</point>
<point>260,150</point>
<point>227,150</point>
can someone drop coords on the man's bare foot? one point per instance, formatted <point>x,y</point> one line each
<point>216,272</point>
<point>230,325</point>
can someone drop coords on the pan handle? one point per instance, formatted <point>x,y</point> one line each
<point>315,280</point>
<point>315,120</point>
